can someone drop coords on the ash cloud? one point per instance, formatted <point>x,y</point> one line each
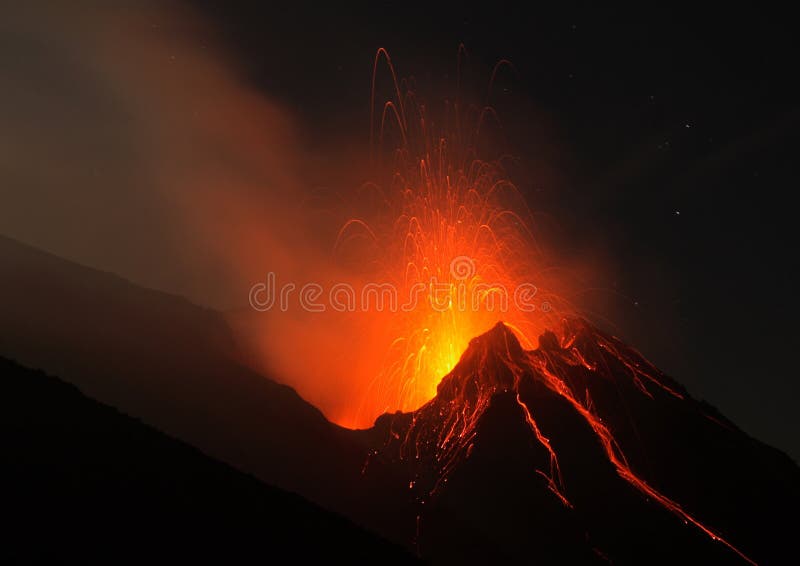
<point>132,144</point>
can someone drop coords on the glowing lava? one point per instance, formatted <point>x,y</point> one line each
<point>441,434</point>
<point>453,235</point>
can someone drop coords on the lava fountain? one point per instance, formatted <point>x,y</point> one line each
<point>451,233</point>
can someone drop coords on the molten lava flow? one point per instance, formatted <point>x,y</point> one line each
<point>441,433</point>
<point>555,472</point>
<point>605,436</point>
<point>447,236</point>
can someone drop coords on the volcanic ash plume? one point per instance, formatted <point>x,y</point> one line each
<point>139,148</point>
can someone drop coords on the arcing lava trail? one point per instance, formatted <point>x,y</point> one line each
<point>443,224</point>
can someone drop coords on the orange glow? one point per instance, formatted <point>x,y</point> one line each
<point>451,227</point>
<point>439,221</point>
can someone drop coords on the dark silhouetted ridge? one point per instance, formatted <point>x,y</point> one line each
<point>86,484</point>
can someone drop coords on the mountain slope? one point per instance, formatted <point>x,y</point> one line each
<point>581,451</point>
<point>173,365</point>
<point>85,483</point>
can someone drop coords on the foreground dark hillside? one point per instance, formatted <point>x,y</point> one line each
<point>84,483</point>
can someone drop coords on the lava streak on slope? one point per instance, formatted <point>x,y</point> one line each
<point>441,435</point>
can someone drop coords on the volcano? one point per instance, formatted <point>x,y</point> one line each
<point>580,451</point>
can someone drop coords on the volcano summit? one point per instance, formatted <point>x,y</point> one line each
<point>581,450</point>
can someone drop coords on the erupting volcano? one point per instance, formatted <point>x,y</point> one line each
<point>616,448</point>
<point>575,440</point>
<point>509,428</point>
<point>566,372</point>
<point>266,293</point>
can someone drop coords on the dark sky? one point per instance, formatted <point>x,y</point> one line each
<point>673,136</point>
<point>659,143</point>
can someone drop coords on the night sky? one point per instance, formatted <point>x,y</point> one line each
<point>659,143</point>
<point>669,139</point>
